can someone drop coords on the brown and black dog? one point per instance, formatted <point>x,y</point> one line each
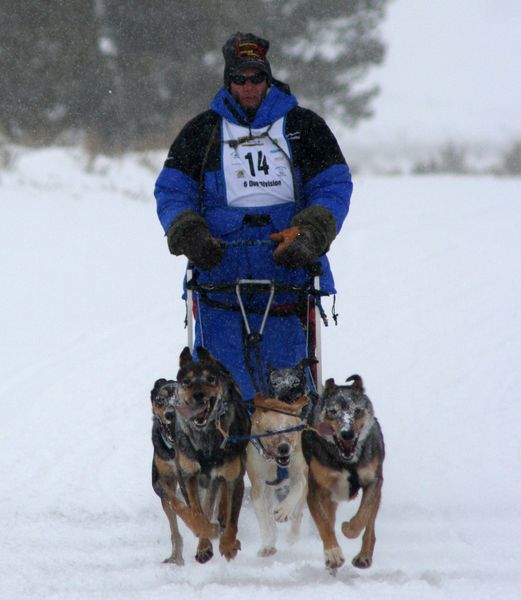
<point>164,475</point>
<point>212,429</point>
<point>345,452</point>
<point>165,478</point>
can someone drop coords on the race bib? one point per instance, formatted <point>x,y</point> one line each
<point>257,171</point>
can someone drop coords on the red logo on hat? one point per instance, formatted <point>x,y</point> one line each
<point>250,51</point>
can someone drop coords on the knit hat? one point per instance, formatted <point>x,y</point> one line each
<point>245,50</point>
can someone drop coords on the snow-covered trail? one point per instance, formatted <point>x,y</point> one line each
<point>429,299</point>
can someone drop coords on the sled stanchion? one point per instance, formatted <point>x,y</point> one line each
<point>254,339</point>
<point>189,308</point>
<point>318,338</point>
<point>255,282</point>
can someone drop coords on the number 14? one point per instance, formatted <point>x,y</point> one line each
<point>262,163</point>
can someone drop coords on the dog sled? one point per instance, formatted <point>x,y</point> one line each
<point>311,316</point>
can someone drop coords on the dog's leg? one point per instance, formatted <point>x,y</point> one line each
<point>370,495</point>
<point>204,548</point>
<point>194,517</point>
<point>177,541</point>
<point>261,496</point>
<point>323,510</point>
<point>203,527</point>
<point>297,490</point>
<point>365,518</point>
<point>296,517</point>
<point>190,519</point>
<point>164,483</point>
<point>232,492</point>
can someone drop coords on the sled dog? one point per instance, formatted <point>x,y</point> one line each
<point>289,384</point>
<point>212,428</point>
<point>164,477</point>
<point>345,452</point>
<point>276,468</point>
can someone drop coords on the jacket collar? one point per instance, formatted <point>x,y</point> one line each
<point>275,105</point>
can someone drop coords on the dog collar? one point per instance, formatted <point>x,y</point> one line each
<point>282,474</point>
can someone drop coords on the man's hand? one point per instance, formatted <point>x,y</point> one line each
<point>189,235</point>
<point>297,247</point>
<point>313,229</point>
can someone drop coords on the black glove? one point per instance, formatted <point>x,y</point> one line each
<point>189,235</point>
<point>310,236</point>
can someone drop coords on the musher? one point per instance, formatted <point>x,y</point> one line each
<point>254,188</point>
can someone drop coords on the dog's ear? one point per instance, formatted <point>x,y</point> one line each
<point>330,383</point>
<point>306,362</point>
<point>186,357</point>
<point>358,384</point>
<point>204,355</point>
<point>155,389</point>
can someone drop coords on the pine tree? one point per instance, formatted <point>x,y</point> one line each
<point>131,73</point>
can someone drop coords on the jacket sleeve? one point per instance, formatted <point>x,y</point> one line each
<point>177,186</point>
<point>324,173</point>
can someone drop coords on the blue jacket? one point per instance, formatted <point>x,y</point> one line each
<point>193,179</point>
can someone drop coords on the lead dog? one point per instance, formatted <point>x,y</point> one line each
<point>276,468</point>
<point>345,452</point>
<point>212,428</point>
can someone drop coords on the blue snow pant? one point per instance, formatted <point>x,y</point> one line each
<point>222,333</point>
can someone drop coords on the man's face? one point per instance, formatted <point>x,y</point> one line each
<point>249,95</point>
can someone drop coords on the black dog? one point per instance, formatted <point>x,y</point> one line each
<point>345,452</point>
<point>212,428</point>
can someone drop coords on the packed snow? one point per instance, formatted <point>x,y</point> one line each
<point>429,296</point>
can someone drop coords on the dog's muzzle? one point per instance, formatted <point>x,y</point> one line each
<point>346,443</point>
<point>283,455</point>
<point>198,413</point>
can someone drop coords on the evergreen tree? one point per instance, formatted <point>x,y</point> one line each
<point>130,73</point>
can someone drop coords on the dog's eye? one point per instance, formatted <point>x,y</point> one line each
<point>332,412</point>
<point>185,382</point>
<point>160,401</point>
<point>211,380</point>
<point>358,413</point>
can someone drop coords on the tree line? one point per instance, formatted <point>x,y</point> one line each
<point>128,73</point>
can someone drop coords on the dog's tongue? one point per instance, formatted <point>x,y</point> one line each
<point>325,429</point>
<point>187,411</point>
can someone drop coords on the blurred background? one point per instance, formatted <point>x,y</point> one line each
<point>420,87</point>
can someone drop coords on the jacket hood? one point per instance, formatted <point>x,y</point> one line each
<point>275,105</point>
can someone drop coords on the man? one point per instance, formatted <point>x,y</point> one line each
<point>255,188</point>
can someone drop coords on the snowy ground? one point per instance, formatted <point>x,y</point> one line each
<point>429,280</point>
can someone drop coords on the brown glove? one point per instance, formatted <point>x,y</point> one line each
<point>189,235</point>
<point>310,236</point>
<point>296,247</point>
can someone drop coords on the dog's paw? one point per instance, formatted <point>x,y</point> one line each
<point>204,551</point>
<point>229,549</point>
<point>362,562</point>
<point>175,559</point>
<point>350,530</point>
<point>334,559</point>
<point>267,551</point>
<point>280,514</point>
<point>283,512</point>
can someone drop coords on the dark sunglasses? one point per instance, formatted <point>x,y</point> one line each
<point>242,79</point>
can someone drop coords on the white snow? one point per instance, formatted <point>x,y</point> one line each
<point>429,296</point>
